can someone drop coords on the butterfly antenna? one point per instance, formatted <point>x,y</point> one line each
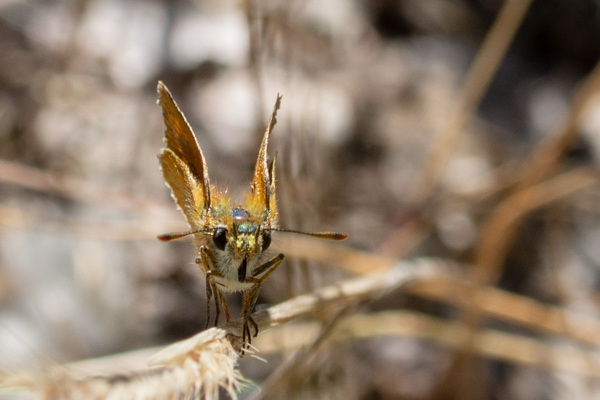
<point>165,237</point>
<point>320,235</point>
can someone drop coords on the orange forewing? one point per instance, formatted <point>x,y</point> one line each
<point>263,182</point>
<point>184,187</point>
<point>183,164</point>
<point>180,139</point>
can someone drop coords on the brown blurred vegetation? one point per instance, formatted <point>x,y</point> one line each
<point>466,130</point>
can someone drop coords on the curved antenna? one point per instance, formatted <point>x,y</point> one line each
<point>165,237</point>
<point>320,235</point>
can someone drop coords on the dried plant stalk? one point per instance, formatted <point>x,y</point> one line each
<point>547,354</point>
<point>499,231</point>
<point>348,291</point>
<point>73,188</point>
<point>195,373</point>
<point>199,366</point>
<point>478,80</point>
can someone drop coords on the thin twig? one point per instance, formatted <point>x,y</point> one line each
<point>498,233</point>
<point>547,154</point>
<point>298,364</point>
<point>556,356</point>
<point>477,82</point>
<point>73,188</point>
<point>369,287</point>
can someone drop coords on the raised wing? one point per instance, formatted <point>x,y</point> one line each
<point>263,183</point>
<point>184,187</point>
<point>181,141</point>
<point>182,162</point>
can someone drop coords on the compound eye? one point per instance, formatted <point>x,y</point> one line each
<point>220,238</point>
<point>266,240</point>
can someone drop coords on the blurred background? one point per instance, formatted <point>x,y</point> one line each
<point>463,129</point>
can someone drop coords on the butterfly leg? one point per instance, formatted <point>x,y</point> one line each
<point>209,293</point>
<point>250,296</point>
<point>261,273</point>
<point>207,259</point>
<point>223,306</point>
<point>249,299</point>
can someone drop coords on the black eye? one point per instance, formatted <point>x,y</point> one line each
<point>266,240</point>
<point>220,238</point>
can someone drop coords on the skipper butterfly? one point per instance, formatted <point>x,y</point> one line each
<point>231,237</point>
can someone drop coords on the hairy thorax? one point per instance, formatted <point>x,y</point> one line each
<point>242,233</point>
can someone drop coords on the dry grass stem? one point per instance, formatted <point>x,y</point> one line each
<point>549,354</point>
<point>370,287</point>
<point>558,357</point>
<point>478,79</point>
<point>179,372</point>
<point>201,365</point>
<point>546,155</point>
<point>512,308</point>
<point>492,302</point>
<point>476,84</point>
<point>497,234</point>
<point>332,254</point>
<point>75,189</point>
<point>117,230</point>
<point>300,363</point>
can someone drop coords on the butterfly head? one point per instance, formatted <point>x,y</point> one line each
<point>242,240</point>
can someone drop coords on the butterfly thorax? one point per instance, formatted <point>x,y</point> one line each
<point>238,237</point>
